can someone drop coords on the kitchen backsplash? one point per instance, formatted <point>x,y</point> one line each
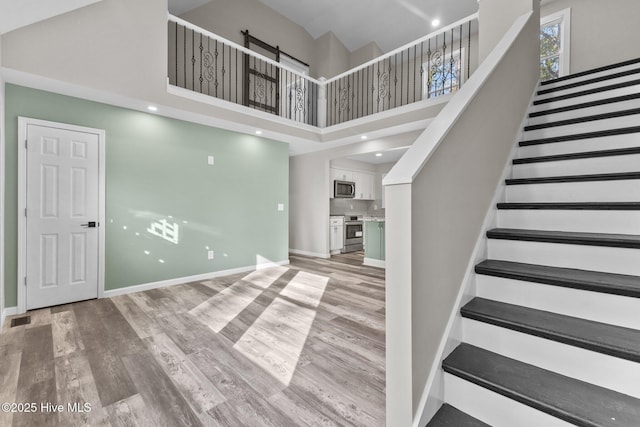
<point>356,207</point>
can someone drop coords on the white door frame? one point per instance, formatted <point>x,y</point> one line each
<point>23,122</point>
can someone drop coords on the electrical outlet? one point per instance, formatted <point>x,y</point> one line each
<point>280,207</point>
<point>210,160</point>
<point>210,255</point>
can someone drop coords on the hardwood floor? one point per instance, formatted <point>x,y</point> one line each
<point>285,346</point>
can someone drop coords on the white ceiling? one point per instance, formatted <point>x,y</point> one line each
<point>389,156</point>
<point>19,13</point>
<point>389,23</point>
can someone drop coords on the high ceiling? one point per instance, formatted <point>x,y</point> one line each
<point>389,23</point>
<point>19,13</point>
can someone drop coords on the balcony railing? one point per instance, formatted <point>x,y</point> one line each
<point>206,63</point>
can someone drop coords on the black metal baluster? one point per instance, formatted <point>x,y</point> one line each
<point>401,74</point>
<point>415,59</point>
<point>444,53</point>
<point>176,54</point>
<point>458,70</point>
<point>421,69</point>
<point>469,50</point>
<point>408,71</point>
<point>193,60</point>
<point>395,80</point>
<point>223,71</point>
<point>215,60</point>
<point>184,55</point>
<point>429,74</point>
<point>451,65</point>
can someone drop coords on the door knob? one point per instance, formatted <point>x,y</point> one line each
<point>90,224</point>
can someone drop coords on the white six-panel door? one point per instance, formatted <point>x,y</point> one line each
<point>62,200</point>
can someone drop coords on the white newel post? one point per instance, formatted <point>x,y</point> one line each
<point>322,103</point>
<point>399,375</point>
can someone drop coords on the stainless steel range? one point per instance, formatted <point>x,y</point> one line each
<point>353,234</point>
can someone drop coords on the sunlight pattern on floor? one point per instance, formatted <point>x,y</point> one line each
<point>222,308</point>
<point>275,340</point>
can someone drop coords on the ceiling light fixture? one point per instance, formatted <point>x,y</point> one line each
<point>258,132</point>
<point>363,137</point>
<point>152,108</point>
<point>435,22</point>
<point>378,154</point>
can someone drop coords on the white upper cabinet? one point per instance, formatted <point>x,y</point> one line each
<point>365,182</point>
<point>341,175</point>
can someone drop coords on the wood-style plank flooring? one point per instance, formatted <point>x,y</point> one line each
<point>297,345</point>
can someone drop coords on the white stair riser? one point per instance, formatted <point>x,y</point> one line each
<point>597,258</point>
<point>584,112</point>
<point>584,127</point>
<point>594,165</point>
<point>585,98</point>
<point>589,86</point>
<point>627,190</point>
<point>596,368</point>
<point>592,76</point>
<point>597,306</point>
<point>493,408</point>
<point>621,222</point>
<point>581,145</point>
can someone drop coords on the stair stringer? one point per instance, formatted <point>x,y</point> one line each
<point>433,393</point>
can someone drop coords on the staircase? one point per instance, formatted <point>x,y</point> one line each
<point>553,336</point>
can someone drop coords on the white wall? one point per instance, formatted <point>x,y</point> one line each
<point>310,191</point>
<point>602,32</point>
<point>228,18</point>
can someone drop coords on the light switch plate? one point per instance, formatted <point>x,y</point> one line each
<point>210,255</point>
<point>210,160</point>
<point>280,207</point>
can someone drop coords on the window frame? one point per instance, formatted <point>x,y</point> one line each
<point>458,54</point>
<point>564,53</point>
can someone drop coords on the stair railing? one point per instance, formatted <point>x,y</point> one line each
<point>434,65</point>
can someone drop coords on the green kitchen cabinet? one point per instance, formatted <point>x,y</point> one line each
<point>374,240</point>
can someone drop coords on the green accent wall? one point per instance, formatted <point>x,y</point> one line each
<point>156,170</point>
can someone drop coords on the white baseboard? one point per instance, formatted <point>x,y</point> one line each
<point>307,253</point>
<point>188,279</point>
<point>372,262</point>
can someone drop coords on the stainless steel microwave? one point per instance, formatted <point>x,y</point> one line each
<point>344,189</point>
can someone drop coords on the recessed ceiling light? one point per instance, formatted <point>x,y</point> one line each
<point>435,22</point>
<point>258,132</point>
<point>363,137</point>
<point>378,154</point>
<point>152,108</point>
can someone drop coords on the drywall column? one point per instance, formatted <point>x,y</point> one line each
<point>399,373</point>
<point>322,104</point>
<point>496,17</point>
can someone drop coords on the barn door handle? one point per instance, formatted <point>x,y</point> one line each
<point>90,224</point>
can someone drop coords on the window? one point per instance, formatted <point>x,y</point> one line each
<point>443,73</point>
<point>554,45</point>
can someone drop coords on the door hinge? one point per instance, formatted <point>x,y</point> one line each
<point>25,212</point>
<point>25,280</point>
<point>26,144</point>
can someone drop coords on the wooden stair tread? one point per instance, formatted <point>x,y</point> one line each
<point>587,92</point>
<point>590,81</point>
<point>572,400</point>
<point>579,136</point>
<point>585,119</point>
<point>583,206</point>
<point>449,416</point>
<point>591,71</point>
<point>595,281</point>
<point>578,156</point>
<point>574,178</point>
<point>603,338</point>
<point>582,105</point>
<point>567,237</point>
